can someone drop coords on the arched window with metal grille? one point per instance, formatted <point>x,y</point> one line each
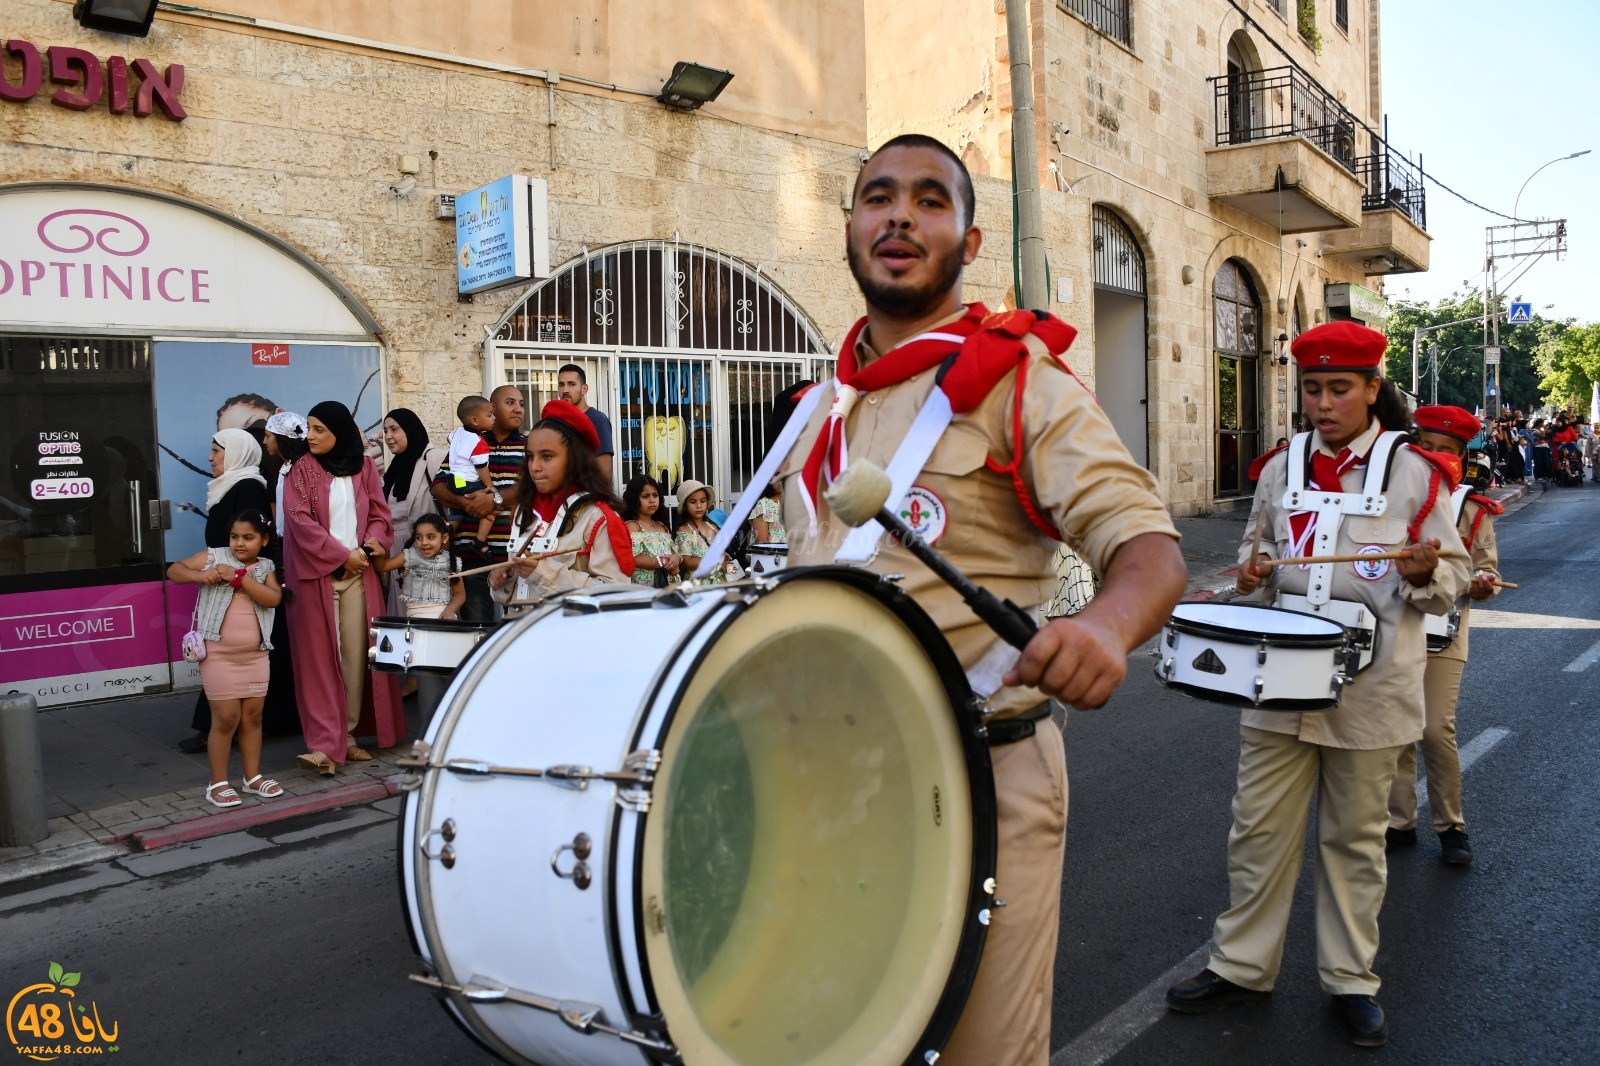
<point>684,347</point>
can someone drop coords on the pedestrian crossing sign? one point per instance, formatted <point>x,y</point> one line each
<point>1521,313</point>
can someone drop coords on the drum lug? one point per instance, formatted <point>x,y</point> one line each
<point>569,776</point>
<point>447,854</point>
<point>580,875</point>
<point>1257,685</point>
<point>930,1057</point>
<point>1164,669</point>
<point>1261,654</point>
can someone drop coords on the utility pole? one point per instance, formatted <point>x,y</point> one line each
<point>1025,161</point>
<point>1517,240</point>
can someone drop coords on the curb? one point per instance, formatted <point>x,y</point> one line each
<point>211,825</point>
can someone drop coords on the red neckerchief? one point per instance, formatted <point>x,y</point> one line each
<point>1326,471</point>
<point>830,454</point>
<point>547,505</point>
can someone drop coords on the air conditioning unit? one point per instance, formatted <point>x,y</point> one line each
<point>444,206</point>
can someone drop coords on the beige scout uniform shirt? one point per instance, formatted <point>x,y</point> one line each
<point>1485,557</point>
<point>561,573</point>
<point>1079,475</point>
<point>1382,706</point>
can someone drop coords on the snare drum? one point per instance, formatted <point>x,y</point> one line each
<point>1441,629</point>
<point>768,558</point>
<point>764,834</point>
<point>428,645</point>
<point>1254,656</point>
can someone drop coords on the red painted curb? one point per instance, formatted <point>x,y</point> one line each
<point>263,814</point>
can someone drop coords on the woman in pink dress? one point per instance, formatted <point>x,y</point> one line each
<point>333,504</point>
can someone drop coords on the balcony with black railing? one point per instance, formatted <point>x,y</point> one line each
<point>1392,238</point>
<point>1286,151</point>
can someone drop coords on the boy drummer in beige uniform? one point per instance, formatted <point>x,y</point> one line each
<point>1347,754</point>
<point>1446,430</point>
<point>908,238</point>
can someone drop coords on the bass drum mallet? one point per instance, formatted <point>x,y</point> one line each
<point>861,494</point>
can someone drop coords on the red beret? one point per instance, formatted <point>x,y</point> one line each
<point>576,420</point>
<point>1339,346</point>
<point>1451,421</point>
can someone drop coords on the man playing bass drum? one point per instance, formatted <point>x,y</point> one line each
<point>1347,489</point>
<point>1028,458</point>
<point>1445,431</point>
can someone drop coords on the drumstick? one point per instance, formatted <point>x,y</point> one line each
<point>859,496</point>
<point>1353,557</point>
<point>1505,584</point>
<point>514,561</point>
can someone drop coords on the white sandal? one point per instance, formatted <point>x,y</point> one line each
<point>227,790</point>
<point>268,789</point>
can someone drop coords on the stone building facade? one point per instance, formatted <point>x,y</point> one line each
<point>1228,162</point>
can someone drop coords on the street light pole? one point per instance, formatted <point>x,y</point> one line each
<point>1031,285</point>
<point>1559,159</point>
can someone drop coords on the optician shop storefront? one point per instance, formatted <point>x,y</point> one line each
<point>134,325</point>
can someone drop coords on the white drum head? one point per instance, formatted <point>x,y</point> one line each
<point>1255,622</point>
<point>805,872</point>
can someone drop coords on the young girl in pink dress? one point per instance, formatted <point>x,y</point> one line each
<point>238,594</point>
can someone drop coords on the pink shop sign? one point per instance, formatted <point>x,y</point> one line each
<point>82,630</point>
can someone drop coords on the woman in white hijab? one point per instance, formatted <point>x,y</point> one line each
<point>236,483</point>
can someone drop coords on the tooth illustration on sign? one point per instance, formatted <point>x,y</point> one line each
<point>664,439</point>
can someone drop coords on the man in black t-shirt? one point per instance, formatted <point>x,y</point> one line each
<point>572,385</point>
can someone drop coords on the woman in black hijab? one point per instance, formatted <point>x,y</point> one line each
<point>413,463</point>
<point>336,520</point>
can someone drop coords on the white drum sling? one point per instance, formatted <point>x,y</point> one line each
<point>747,825</point>
<point>1441,629</point>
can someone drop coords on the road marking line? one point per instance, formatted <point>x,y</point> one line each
<point>1584,661</point>
<point>1474,750</point>
<point>1101,1042</point>
<point>1121,1027</point>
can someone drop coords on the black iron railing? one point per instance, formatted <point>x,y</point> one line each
<point>1257,105</point>
<point>1114,18</point>
<point>1390,180</point>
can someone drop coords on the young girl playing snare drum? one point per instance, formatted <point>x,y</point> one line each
<point>565,531</point>
<point>238,593</point>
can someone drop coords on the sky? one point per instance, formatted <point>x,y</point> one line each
<point>1487,92</point>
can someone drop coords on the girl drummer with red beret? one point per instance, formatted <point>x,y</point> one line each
<point>1445,431</point>
<point>565,531</point>
<point>1349,488</point>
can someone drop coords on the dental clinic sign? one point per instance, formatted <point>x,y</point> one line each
<point>84,80</point>
<point>502,234</point>
<point>89,256</point>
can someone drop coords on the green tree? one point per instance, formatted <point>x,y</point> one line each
<point>1461,370</point>
<point>1570,364</point>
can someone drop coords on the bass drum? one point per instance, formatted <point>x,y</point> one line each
<point>728,826</point>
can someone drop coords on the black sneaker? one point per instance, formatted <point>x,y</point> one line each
<point>1363,1019</point>
<point>1454,848</point>
<point>193,745</point>
<point>1399,838</point>
<point>1207,992</point>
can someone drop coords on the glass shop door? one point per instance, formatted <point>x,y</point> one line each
<point>82,608</point>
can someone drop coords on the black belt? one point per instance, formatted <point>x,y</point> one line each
<point>1011,730</point>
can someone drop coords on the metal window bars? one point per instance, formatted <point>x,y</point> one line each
<point>1114,18</point>
<point>1341,14</point>
<point>1118,261</point>
<point>685,349</point>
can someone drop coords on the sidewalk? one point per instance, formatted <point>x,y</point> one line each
<point>116,782</point>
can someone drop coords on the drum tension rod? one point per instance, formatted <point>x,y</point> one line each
<point>638,772</point>
<point>585,1018</point>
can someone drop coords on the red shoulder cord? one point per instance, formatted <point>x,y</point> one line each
<point>1486,507</point>
<point>1014,468</point>
<point>1414,530</point>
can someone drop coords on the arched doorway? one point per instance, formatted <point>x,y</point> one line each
<point>1243,103</point>
<point>1237,343</point>
<point>1120,380</point>
<point>684,347</point>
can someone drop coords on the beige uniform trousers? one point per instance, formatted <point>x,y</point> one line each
<point>1277,773</point>
<point>351,622</point>
<point>1441,689</point>
<point>1007,1016</point>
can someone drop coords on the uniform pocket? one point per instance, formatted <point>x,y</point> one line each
<point>960,451</point>
<point>1386,529</point>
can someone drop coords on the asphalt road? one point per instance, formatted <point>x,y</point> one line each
<point>286,944</point>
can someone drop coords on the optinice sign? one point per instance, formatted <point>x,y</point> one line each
<point>502,234</point>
